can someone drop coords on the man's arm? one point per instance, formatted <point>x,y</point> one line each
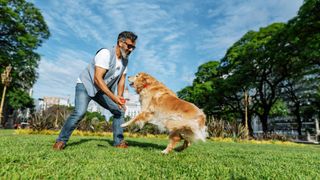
<point>98,80</point>
<point>121,85</point>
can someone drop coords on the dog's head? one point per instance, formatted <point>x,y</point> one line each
<point>141,81</point>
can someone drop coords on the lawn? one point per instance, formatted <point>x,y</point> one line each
<point>32,157</point>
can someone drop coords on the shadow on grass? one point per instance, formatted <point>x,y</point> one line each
<point>110,143</point>
<point>81,141</point>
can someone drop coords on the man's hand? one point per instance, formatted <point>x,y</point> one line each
<point>99,73</point>
<point>121,101</point>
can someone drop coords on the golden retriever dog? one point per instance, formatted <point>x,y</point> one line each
<point>160,106</point>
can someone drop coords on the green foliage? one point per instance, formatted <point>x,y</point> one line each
<point>279,109</point>
<point>203,91</point>
<point>22,30</point>
<point>94,115</point>
<point>32,157</point>
<point>207,71</point>
<point>187,94</point>
<point>303,33</point>
<point>252,68</point>
<point>95,122</point>
<point>20,99</point>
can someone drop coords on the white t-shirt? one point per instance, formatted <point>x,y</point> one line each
<point>102,60</point>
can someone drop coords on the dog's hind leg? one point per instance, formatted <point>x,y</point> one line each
<point>184,146</point>
<point>174,138</point>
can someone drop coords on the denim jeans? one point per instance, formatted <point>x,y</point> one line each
<point>82,100</point>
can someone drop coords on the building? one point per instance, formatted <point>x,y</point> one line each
<point>47,102</point>
<point>133,104</point>
<point>288,127</point>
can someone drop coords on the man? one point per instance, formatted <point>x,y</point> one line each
<point>98,82</point>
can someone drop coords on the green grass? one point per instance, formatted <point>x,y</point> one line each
<point>32,157</point>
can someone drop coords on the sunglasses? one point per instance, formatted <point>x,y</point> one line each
<point>130,46</point>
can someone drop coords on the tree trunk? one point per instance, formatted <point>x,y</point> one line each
<point>264,121</point>
<point>243,121</point>
<point>5,114</point>
<point>56,119</point>
<point>298,118</point>
<point>250,126</point>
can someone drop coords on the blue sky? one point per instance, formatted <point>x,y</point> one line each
<point>174,37</point>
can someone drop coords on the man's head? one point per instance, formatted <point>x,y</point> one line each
<point>126,43</point>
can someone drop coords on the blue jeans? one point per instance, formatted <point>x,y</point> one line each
<point>82,100</point>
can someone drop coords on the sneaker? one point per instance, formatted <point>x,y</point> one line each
<point>60,145</point>
<point>122,144</point>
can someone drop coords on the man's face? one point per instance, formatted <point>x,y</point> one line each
<point>126,47</point>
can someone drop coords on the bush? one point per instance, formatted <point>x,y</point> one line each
<point>51,118</point>
<point>223,129</point>
<point>40,121</point>
<point>55,116</point>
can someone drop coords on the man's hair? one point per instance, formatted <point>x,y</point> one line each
<point>127,35</point>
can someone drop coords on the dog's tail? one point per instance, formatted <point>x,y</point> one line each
<point>200,133</point>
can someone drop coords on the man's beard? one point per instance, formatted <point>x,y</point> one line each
<point>124,55</point>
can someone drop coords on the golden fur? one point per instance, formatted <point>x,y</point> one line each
<point>161,106</point>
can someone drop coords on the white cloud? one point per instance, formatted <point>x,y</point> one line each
<point>187,75</point>
<point>174,37</point>
<point>57,77</point>
<point>171,37</point>
<point>232,19</point>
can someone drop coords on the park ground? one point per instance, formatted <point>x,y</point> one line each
<point>25,156</point>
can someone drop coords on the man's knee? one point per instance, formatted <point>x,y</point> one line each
<point>118,113</point>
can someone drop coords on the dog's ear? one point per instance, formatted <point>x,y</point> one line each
<point>148,80</point>
<point>139,83</point>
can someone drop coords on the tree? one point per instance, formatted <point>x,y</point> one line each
<point>19,99</point>
<point>278,66</point>
<point>298,47</point>
<point>303,33</point>
<point>203,90</point>
<point>22,30</point>
<point>249,63</point>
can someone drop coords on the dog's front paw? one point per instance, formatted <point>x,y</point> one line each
<point>124,125</point>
